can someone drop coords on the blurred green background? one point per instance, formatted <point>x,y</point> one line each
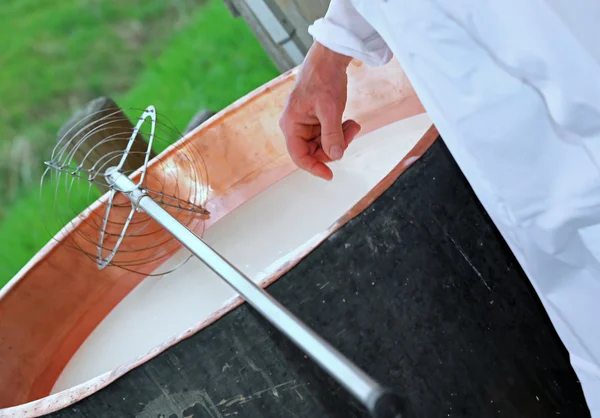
<point>180,55</point>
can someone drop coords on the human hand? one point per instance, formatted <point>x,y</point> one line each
<point>312,119</point>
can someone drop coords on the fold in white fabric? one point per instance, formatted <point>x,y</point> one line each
<point>513,87</point>
<point>345,31</point>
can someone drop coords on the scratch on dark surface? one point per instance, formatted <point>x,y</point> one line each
<point>211,404</point>
<point>341,332</point>
<point>311,297</point>
<point>167,395</point>
<point>198,403</point>
<point>458,247</point>
<point>265,376</point>
<point>205,404</point>
<point>194,403</point>
<point>371,244</point>
<point>174,361</point>
<point>305,300</point>
<point>242,399</point>
<point>394,230</point>
<point>243,349</point>
<point>255,368</point>
<point>290,412</point>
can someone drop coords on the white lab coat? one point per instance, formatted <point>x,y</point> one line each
<point>513,87</point>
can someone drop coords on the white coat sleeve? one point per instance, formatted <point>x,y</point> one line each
<point>344,30</point>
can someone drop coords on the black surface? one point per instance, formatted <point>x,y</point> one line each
<point>390,404</point>
<point>419,290</point>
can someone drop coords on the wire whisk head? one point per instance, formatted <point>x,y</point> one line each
<point>108,227</point>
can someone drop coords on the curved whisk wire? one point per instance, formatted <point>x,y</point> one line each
<point>108,227</point>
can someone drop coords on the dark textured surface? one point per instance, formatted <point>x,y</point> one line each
<point>419,290</point>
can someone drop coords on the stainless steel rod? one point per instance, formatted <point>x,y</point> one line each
<point>357,382</point>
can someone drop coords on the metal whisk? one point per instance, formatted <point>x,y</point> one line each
<point>138,206</point>
<point>75,176</point>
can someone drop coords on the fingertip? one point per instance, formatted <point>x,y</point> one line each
<point>333,146</point>
<point>351,131</point>
<point>351,124</point>
<point>321,170</point>
<point>335,152</point>
<point>314,167</point>
<point>332,138</point>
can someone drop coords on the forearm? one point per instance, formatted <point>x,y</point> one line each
<point>321,56</point>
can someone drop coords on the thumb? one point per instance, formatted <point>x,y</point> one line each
<point>332,134</point>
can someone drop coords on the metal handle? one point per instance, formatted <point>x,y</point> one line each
<point>377,400</point>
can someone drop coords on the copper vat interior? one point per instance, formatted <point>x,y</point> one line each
<point>55,303</point>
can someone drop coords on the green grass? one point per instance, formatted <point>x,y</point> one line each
<point>61,54</point>
<point>34,220</point>
<point>58,55</point>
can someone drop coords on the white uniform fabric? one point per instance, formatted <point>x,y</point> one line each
<point>513,86</point>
